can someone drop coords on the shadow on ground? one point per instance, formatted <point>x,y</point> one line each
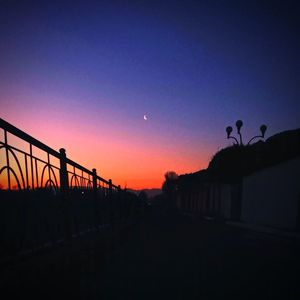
<point>166,256</point>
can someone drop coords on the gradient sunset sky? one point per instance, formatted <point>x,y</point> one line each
<point>82,75</point>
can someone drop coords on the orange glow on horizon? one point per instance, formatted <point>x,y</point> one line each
<point>137,159</point>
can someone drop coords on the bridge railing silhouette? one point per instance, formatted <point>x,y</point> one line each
<point>29,171</point>
<point>46,197</point>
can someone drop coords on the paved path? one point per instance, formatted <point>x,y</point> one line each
<point>167,257</point>
<point>176,258</point>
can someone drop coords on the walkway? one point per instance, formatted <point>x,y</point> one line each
<point>177,258</point>
<point>167,257</point>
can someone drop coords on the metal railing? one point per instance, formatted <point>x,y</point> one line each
<point>29,176</point>
<point>46,197</point>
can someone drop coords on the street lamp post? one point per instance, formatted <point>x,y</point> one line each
<point>239,124</point>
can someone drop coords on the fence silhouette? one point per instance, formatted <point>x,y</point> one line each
<point>47,198</point>
<point>29,171</point>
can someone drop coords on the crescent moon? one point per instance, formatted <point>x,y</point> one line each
<point>145,118</point>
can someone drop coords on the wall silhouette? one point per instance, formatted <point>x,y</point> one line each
<point>255,183</point>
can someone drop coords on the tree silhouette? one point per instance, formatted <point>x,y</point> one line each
<point>169,187</point>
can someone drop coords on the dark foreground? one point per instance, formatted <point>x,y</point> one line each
<point>165,257</point>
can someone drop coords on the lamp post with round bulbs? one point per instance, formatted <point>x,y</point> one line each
<point>239,124</point>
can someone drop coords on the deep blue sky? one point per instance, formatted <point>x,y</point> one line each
<point>193,67</point>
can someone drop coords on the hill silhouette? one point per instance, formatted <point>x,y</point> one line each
<point>150,192</point>
<point>233,162</point>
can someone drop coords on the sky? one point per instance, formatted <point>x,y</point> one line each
<point>82,75</point>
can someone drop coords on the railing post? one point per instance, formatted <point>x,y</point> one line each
<point>64,181</point>
<point>95,198</point>
<point>110,187</point>
<point>95,180</point>
<point>121,204</point>
<point>7,159</point>
<point>64,188</point>
<point>111,203</point>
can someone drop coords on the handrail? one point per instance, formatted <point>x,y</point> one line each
<point>76,165</point>
<point>26,137</point>
<point>86,201</point>
<point>34,142</point>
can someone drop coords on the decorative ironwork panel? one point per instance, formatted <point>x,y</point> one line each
<point>28,164</point>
